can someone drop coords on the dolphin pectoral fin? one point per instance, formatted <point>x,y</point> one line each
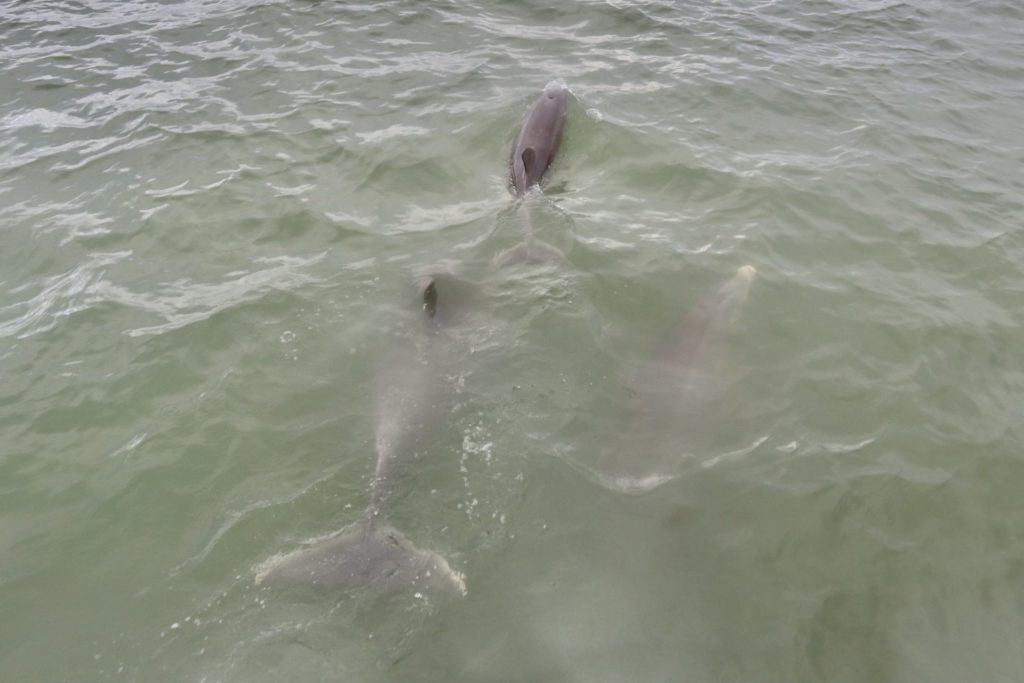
<point>363,556</point>
<point>529,251</point>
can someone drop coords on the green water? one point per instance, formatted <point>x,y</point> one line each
<point>213,216</point>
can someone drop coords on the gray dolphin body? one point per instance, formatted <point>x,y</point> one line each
<point>538,139</point>
<point>535,149</point>
<point>371,554</point>
<point>671,392</point>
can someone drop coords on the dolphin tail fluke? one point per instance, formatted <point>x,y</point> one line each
<point>529,251</point>
<point>364,556</point>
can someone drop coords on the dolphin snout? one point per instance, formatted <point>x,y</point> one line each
<point>746,272</point>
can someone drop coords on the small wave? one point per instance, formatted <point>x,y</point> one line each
<point>733,455</point>
<point>619,482</point>
<point>184,303</point>
<point>46,119</point>
<point>634,484</point>
<point>395,131</point>
<point>61,296</point>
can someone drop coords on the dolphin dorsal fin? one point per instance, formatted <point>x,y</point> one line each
<point>529,156</point>
<point>430,299</point>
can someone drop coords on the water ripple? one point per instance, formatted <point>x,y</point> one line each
<point>185,302</point>
<point>59,297</point>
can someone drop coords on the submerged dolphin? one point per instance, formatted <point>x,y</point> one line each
<point>671,391</point>
<point>370,553</point>
<point>538,139</point>
<point>530,249</point>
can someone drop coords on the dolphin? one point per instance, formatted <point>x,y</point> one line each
<point>370,553</point>
<point>538,139</point>
<point>535,149</point>
<point>670,393</point>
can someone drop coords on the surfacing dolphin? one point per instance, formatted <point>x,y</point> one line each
<point>370,553</point>
<point>670,393</point>
<point>536,146</point>
<point>539,138</point>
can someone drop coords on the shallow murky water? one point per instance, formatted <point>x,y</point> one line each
<point>215,216</point>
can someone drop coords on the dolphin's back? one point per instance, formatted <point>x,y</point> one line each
<point>538,139</point>
<point>693,343</point>
<point>671,391</point>
<point>411,399</point>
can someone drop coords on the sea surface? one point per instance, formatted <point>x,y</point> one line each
<point>215,221</point>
